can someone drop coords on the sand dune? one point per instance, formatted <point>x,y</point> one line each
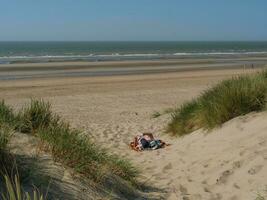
<point>227,163</point>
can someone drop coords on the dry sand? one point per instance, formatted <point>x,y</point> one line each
<point>228,163</point>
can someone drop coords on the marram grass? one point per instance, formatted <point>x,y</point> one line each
<point>10,188</point>
<point>35,116</point>
<point>5,158</point>
<point>14,191</point>
<point>7,115</point>
<point>69,146</point>
<point>5,133</point>
<point>78,152</point>
<point>226,100</point>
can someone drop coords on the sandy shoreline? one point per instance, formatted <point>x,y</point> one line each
<point>113,109</point>
<point>113,68</point>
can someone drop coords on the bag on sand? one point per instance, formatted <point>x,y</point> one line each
<point>155,144</point>
<point>146,141</point>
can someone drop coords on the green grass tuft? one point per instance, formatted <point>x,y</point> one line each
<point>35,116</point>
<point>228,99</point>
<point>6,114</point>
<point>5,133</point>
<point>184,119</point>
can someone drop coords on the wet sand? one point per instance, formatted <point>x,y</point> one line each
<point>111,68</point>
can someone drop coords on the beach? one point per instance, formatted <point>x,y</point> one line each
<point>114,101</point>
<point>130,67</point>
<point>133,100</point>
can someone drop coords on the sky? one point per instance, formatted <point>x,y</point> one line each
<point>133,20</point>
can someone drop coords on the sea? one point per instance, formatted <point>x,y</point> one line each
<point>19,52</point>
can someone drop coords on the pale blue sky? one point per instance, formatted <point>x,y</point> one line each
<point>133,20</point>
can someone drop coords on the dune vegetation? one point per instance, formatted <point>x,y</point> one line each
<point>226,100</point>
<point>5,134</point>
<point>14,190</point>
<point>67,145</point>
<point>10,186</point>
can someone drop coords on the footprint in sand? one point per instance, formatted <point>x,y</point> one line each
<point>207,189</point>
<point>262,143</point>
<point>183,190</point>
<point>242,152</point>
<point>224,176</point>
<point>167,167</point>
<point>239,126</point>
<point>170,182</point>
<point>106,133</point>
<point>206,165</point>
<point>234,197</point>
<point>255,169</point>
<point>186,198</point>
<point>237,164</point>
<point>150,168</point>
<point>216,196</point>
<point>189,179</point>
<point>236,186</point>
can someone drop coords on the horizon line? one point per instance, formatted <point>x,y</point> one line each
<point>133,40</point>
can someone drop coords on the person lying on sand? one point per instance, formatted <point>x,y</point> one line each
<point>146,141</point>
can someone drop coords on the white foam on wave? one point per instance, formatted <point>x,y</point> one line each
<point>219,53</point>
<point>46,56</point>
<point>140,54</point>
<point>114,55</point>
